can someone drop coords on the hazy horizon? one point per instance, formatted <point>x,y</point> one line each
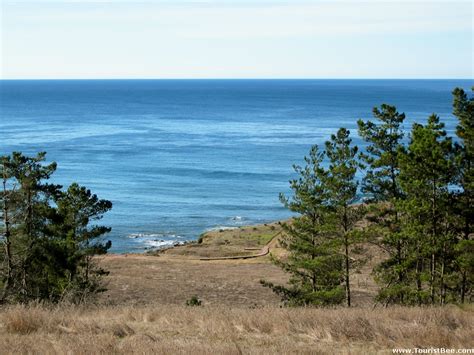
<point>223,79</point>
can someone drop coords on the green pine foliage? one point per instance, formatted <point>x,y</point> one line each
<point>47,239</point>
<point>342,187</point>
<point>463,109</point>
<point>418,208</point>
<point>426,172</point>
<point>313,261</point>
<point>321,240</point>
<point>384,136</point>
<point>382,188</point>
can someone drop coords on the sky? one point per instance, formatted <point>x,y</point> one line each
<point>110,39</point>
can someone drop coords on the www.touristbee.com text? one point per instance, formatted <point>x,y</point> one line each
<point>432,351</point>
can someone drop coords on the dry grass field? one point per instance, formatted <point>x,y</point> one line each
<point>167,329</point>
<point>142,280</point>
<point>175,275</point>
<point>144,311</point>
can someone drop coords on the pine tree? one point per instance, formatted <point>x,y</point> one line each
<point>28,232</point>
<point>463,109</point>
<point>381,179</point>
<point>77,207</point>
<point>313,259</point>
<point>342,187</point>
<point>426,172</point>
<point>6,198</point>
<point>41,255</point>
<point>382,186</point>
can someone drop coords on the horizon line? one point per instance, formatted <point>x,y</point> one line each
<point>231,78</point>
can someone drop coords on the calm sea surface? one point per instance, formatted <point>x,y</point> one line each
<point>178,157</point>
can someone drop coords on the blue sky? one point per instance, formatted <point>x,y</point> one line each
<point>236,39</point>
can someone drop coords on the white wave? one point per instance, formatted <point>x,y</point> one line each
<point>144,235</point>
<point>159,243</point>
<point>155,240</point>
<point>152,235</point>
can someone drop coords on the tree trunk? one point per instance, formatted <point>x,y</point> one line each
<point>433,243</point>
<point>432,277</point>
<point>442,285</point>
<point>348,286</point>
<point>419,266</point>
<point>463,286</point>
<point>464,272</point>
<point>7,242</point>
<point>314,221</point>
<point>346,256</point>
<point>30,241</point>
<point>399,257</point>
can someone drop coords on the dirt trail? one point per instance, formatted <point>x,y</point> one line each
<point>264,251</point>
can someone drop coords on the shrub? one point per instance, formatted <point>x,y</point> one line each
<point>194,301</point>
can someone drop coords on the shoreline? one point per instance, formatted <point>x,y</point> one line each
<point>227,232</point>
<point>227,243</point>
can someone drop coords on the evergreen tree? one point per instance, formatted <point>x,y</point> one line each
<point>463,109</point>
<point>39,259</point>
<point>384,138</point>
<point>342,186</point>
<point>6,197</point>
<point>76,209</point>
<point>381,184</point>
<point>29,210</point>
<point>426,172</point>
<point>313,259</point>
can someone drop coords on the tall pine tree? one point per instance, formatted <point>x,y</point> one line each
<point>313,260</point>
<point>463,109</point>
<point>426,172</point>
<point>384,138</point>
<point>342,186</point>
<point>381,184</point>
<point>46,234</point>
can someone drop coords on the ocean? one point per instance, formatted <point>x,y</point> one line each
<point>179,157</point>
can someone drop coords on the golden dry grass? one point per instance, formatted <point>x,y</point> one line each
<point>144,279</point>
<point>222,330</point>
<point>144,312</point>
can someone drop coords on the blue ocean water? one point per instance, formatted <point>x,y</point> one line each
<point>178,157</point>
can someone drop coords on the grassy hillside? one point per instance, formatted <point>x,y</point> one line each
<point>241,241</point>
<point>144,311</point>
<point>224,330</point>
<point>174,275</point>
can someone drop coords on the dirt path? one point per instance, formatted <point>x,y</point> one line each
<point>264,251</point>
